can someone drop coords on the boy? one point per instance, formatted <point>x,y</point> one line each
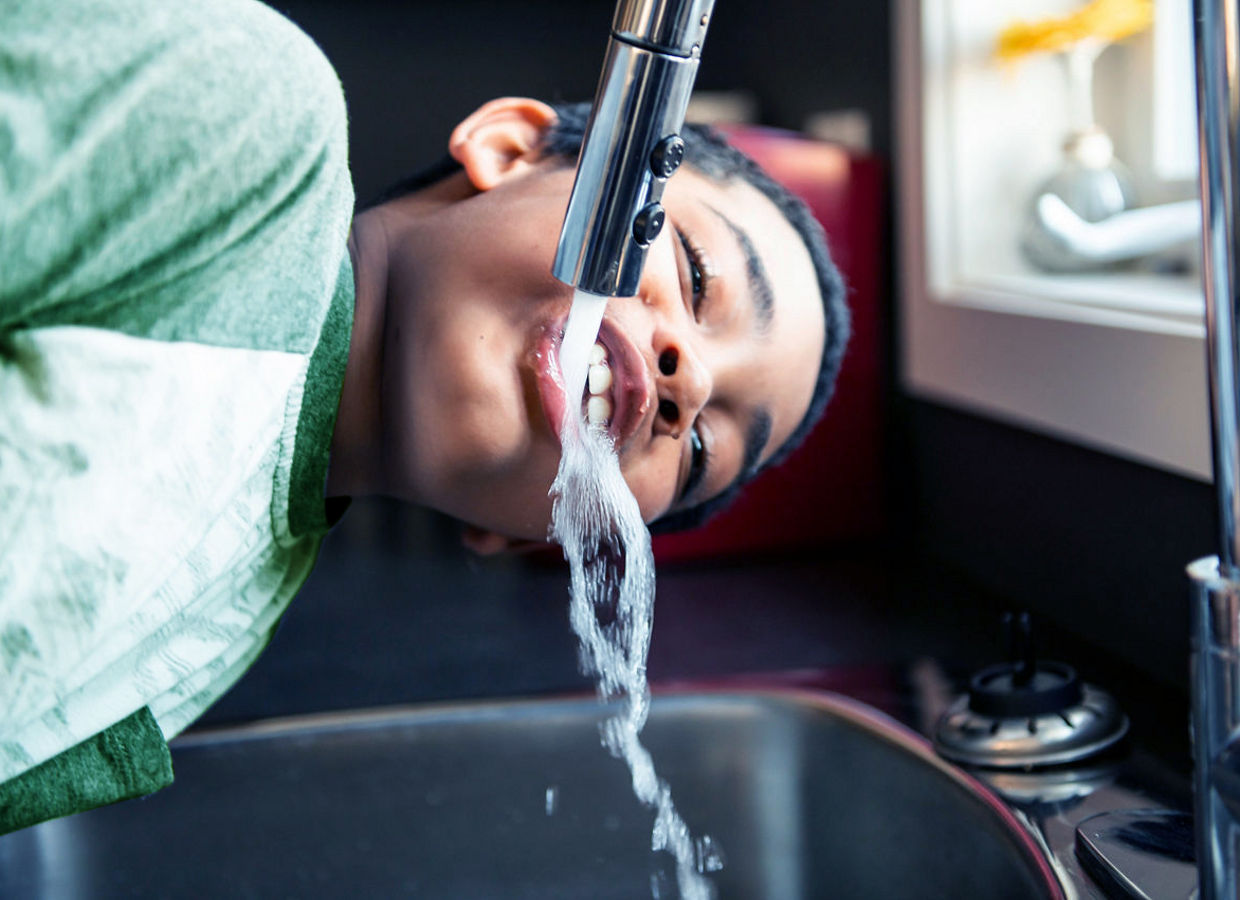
<point>203,353</point>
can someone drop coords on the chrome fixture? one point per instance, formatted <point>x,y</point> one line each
<point>632,144</point>
<point>1083,218</point>
<point>1216,580</point>
<point>1063,241</point>
<point>1215,679</point>
<point>1139,853</point>
<point>1028,712</point>
<point>1055,721</point>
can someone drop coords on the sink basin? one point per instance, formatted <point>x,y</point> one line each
<point>807,795</point>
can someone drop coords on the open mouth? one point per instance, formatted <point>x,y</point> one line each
<point>618,389</point>
<point>617,393</point>
<point>599,404</point>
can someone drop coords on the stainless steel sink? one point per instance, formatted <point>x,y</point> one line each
<point>808,795</point>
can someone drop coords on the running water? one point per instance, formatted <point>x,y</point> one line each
<point>597,521</point>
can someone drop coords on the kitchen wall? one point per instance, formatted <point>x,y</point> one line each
<point>1093,544</point>
<point>411,70</point>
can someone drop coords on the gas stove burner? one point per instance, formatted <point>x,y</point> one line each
<point>1028,713</point>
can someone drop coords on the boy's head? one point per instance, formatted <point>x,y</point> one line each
<point>719,366</point>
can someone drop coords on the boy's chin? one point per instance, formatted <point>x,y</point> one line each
<point>490,543</point>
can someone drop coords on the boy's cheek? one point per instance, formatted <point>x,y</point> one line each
<point>653,484</point>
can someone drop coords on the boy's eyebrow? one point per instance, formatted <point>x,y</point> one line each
<point>756,436</point>
<point>759,284</point>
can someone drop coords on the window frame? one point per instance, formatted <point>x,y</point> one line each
<point>1066,357</point>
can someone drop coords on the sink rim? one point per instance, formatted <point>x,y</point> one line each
<point>854,712</point>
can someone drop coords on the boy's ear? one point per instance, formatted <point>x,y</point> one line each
<point>499,139</point>
<point>488,543</point>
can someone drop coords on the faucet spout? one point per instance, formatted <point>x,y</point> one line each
<point>1215,656</point>
<point>1217,41</point>
<point>1215,675</point>
<point>632,144</point>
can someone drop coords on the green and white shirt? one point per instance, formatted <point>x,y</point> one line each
<point>175,306</point>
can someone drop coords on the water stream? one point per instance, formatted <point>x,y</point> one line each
<point>596,520</point>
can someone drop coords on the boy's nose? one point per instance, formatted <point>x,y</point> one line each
<point>683,385</point>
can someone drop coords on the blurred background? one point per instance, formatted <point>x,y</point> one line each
<point>931,500</point>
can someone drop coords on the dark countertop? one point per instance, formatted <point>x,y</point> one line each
<point>395,613</point>
<point>392,621</point>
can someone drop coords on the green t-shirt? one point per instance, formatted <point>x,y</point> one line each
<point>175,306</point>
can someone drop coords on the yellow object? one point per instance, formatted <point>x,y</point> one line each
<point>1103,20</point>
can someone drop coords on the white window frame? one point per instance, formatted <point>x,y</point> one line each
<point>1114,362</point>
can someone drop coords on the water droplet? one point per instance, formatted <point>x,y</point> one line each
<point>658,835</point>
<point>709,854</point>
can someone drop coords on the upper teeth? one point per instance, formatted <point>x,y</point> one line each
<point>599,379</point>
<point>598,406</point>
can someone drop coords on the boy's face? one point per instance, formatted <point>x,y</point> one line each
<point>713,364</point>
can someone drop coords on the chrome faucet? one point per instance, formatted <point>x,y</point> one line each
<point>1215,657</point>
<point>632,144</point>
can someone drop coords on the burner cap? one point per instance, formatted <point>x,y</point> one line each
<point>1006,691</point>
<point>1018,716</point>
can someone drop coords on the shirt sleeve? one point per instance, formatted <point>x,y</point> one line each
<point>129,759</point>
<point>151,153</point>
<point>174,189</point>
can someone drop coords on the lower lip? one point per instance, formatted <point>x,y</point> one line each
<point>547,375</point>
<point>551,385</point>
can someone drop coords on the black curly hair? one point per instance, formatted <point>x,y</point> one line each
<point>709,153</point>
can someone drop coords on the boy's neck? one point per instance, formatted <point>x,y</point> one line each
<point>356,465</point>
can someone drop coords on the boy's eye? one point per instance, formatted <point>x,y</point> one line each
<point>698,458</point>
<point>695,274</point>
<point>697,270</point>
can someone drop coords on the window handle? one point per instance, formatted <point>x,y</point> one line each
<point>1123,236</point>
